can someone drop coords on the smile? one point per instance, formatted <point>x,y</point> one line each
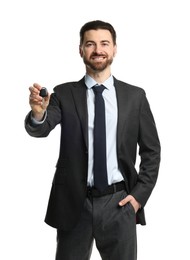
<point>98,58</point>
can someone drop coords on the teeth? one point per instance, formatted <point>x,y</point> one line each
<point>98,58</point>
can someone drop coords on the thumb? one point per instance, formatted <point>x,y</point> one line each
<point>125,200</point>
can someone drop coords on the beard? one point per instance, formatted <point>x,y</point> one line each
<point>98,66</point>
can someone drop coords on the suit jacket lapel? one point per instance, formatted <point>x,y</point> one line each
<point>122,101</point>
<point>79,96</point>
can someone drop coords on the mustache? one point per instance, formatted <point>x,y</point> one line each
<point>95,54</point>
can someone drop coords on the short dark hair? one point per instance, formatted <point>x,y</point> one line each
<point>95,25</point>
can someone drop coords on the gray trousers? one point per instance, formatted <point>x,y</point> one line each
<point>112,227</point>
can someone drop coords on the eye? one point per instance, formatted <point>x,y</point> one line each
<point>105,43</point>
<point>89,44</point>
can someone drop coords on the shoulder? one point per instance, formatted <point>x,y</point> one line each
<point>129,90</point>
<point>67,86</point>
<point>127,86</point>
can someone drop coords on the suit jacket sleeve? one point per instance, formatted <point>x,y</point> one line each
<point>53,118</point>
<point>149,151</point>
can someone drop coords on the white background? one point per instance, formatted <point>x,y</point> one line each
<point>39,43</point>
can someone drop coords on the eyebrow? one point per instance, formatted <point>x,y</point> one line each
<point>90,41</point>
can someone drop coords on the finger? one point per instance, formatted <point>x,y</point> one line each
<point>33,91</point>
<point>37,86</point>
<point>35,99</point>
<point>35,96</point>
<point>124,201</point>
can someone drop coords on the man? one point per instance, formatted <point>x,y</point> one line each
<point>87,202</point>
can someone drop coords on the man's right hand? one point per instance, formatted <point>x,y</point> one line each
<point>37,103</point>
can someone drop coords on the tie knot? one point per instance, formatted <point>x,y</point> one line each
<point>98,89</point>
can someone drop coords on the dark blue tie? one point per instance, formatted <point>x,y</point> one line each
<point>100,165</point>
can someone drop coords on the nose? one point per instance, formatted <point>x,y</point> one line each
<point>98,48</point>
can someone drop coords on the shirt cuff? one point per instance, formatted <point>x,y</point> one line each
<point>36,122</point>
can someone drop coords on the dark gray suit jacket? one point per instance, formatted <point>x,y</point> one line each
<point>136,126</point>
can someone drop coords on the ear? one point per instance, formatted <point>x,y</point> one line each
<point>80,51</point>
<point>115,50</point>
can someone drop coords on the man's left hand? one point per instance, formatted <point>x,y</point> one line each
<point>130,199</point>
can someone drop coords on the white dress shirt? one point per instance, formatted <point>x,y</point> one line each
<point>109,95</point>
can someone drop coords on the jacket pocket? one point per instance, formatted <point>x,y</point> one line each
<point>61,173</point>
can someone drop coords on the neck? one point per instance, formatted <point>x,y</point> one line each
<point>99,76</point>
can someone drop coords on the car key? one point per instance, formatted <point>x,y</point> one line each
<point>43,92</point>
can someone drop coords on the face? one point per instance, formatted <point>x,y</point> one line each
<point>97,49</point>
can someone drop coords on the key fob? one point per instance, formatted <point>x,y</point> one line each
<point>43,92</point>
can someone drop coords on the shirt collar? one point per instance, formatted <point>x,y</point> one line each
<point>90,82</point>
